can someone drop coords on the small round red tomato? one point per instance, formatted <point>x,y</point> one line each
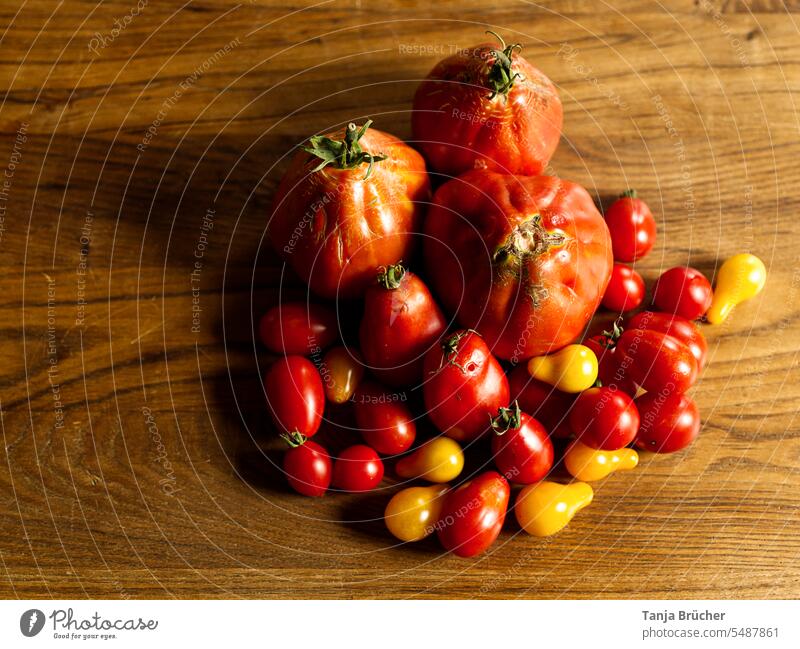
<point>604,418</point>
<point>295,395</point>
<point>684,291</point>
<point>625,289</point>
<point>653,361</point>
<point>632,227</point>
<point>358,468</point>
<point>670,421</point>
<point>297,328</point>
<point>548,405</point>
<point>473,514</point>
<point>521,448</point>
<point>385,423</point>
<point>464,387</point>
<point>401,322</point>
<point>308,468</point>
<point>677,327</point>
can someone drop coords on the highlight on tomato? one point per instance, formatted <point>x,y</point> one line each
<point>625,290</point>
<point>295,395</point>
<point>358,468</point>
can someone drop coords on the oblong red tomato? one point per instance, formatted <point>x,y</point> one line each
<point>654,361</point>
<point>298,328</point>
<point>487,107</point>
<point>670,422</point>
<point>473,514</point>
<point>295,395</point>
<point>385,422</point>
<point>632,227</point>
<point>523,260</point>
<point>401,322</point>
<point>308,469</point>
<point>677,327</point>
<point>542,401</point>
<point>336,222</point>
<point>464,387</point>
<point>521,447</point>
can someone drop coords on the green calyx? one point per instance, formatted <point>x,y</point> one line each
<point>507,419</point>
<point>390,276</point>
<point>343,154</point>
<point>501,78</point>
<point>613,335</point>
<point>628,193</point>
<point>294,439</point>
<point>450,349</point>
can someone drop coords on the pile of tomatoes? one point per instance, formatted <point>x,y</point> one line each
<point>469,351</point>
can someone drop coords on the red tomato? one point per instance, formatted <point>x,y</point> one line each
<point>465,386</point>
<point>385,423</point>
<point>625,290</point>
<point>670,421</point>
<point>677,327</point>
<point>548,405</point>
<point>521,448</point>
<point>604,418</point>
<point>632,226</point>
<point>654,361</point>
<point>684,291</point>
<point>298,328</point>
<point>401,322</point>
<point>523,260</point>
<point>358,468</point>
<point>308,468</point>
<point>603,347</point>
<point>346,207</point>
<point>295,395</point>
<point>487,107</point>
<point>473,514</point>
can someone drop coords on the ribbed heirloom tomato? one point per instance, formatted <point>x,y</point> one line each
<point>524,260</point>
<point>347,206</point>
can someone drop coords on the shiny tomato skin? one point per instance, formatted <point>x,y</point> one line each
<point>398,326</point>
<point>358,468</point>
<point>464,387</point>
<point>632,227</point>
<point>683,291</point>
<point>670,422</point>
<point>297,328</point>
<point>523,455</point>
<point>335,228</point>
<point>295,395</point>
<point>654,361</point>
<point>625,289</point>
<point>473,514</point>
<point>385,422</point>
<point>523,260</point>
<point>308,469</point>
<point>604,418</point>
<point>459,126</point>
<point>677,327</point>
<point>549,406</point>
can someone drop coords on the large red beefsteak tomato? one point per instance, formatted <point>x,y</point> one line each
<point>346,207</point>
<point>523,260</point>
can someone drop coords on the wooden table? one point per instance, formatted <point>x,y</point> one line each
<point>137,456</point>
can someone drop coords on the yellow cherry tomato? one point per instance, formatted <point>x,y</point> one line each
<point>740,278</point>
<point>439,460</point>
<point>546,507</point>
<point>342,370</point>
<point>412,513</point>
<point>588,464</point>
<point>572,369</point>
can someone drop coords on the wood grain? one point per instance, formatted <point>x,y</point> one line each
<point>156,477</point>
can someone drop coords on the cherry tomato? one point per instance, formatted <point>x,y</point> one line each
<point>684,291</point>
<point>632,227</point>
<point>401,322</point>
<point>625,290</point>
<point>653,361</point>
<point>571,369</point>
<point>358,468</point>
<point>548,405</point>
<point>412,513</point>
<point>739,279</point>
<point>604,418</point>
<point>604,347</point>
<point>385,423</point>
<point>670,422</point>
<point>545,508</point>
<point>465,386</point>
<point>473,514</point>
<point>295,395</point>
<point>438,460</point>
<point>297,328</point>
<point>677,327</point>
<point>308,468</point>
<point>521,448</point>
<point>341,370</point>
